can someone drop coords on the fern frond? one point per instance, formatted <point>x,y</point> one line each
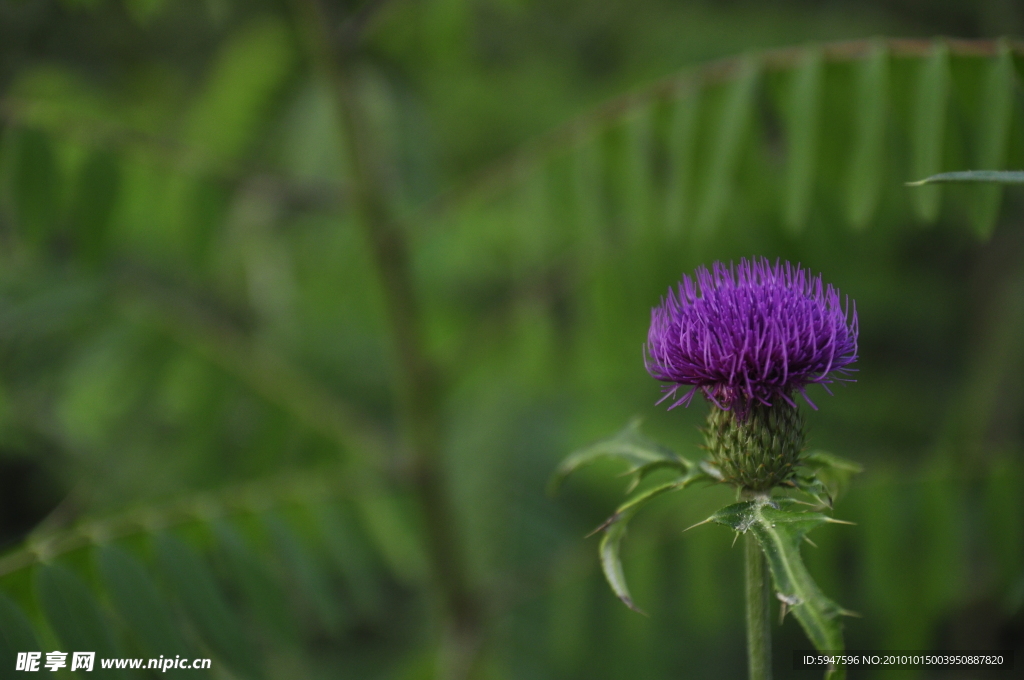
<point>202,507</point>
<point>214,574</point>
<point>846,119</point>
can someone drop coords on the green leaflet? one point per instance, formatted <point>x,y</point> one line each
<point>994,176</point>
<point>1004,519</point>
<point>945,532</point>
<point>993,136</point>
<point>74,615</point>
<point>143,11</point>
<point>35,184</point>
<point>250,574</point>
<point>840,145</point>
<point>728,145</point>
<point>205,604</point>
<point>312,145</point>
<point>802,132</point>
<point>389,527</point>
<point>307,575</point>
<point>248,72</point>
<point>15,636</point>
<point>643,455</point>
<point>780,526</point>
<point>614,530</point>
<point>928,135</point>
<point>136,598</point>
<point>637,182</point>
<point>888,529</point>
<point>682,137</point>
<point>349,553</point>
<point>590,224</point>
<point>96,193</point>
<point>867,165</point>
<point>532,231</point>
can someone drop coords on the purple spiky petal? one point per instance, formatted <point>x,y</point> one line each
<point>753,332</point>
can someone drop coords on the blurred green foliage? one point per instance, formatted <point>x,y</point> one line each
<point>207,439</point>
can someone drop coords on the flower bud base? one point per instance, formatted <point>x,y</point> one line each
<point>759,450</point>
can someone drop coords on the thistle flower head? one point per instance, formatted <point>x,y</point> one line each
<point>750,334</point>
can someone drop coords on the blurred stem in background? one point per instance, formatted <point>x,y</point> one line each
<point>418,388</point>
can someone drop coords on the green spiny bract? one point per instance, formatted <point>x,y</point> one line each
<point>759,451</point>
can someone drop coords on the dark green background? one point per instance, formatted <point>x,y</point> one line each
<point>188,303</point>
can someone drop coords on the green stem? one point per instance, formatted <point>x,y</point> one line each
<point>418,389</point>
<point>759,631</point>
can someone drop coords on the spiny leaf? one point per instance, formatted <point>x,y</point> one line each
<point>727,146</point>
<point>16,635</point>
<point>996,176</point>
<point>808,482</point>
<point>614,529</point>
<point>204,603</point>
<point>932,99</point>
<point>642,454</point>
<point>802,131</point>
<point>866,167</point>
<point>993,134</point>
<point>779,527</point>
<point>825,476</point>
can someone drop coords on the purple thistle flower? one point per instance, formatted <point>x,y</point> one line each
<point>749,334</point>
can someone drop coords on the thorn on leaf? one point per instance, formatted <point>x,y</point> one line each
<point>697,525</point>
<point>628,601</point>
<point>604,525</point>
